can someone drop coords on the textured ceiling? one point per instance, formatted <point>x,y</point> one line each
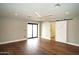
<point>46,11</point>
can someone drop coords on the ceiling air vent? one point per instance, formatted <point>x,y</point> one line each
<point>62,20</point>
<point>57,5</point>
<point>67,19</point>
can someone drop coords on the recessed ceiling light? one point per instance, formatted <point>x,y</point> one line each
<point>16,14</point>
<point>67,13</point>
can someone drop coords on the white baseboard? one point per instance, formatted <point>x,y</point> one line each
<point>26,39</point>
<point>61,41</point>
<point>70,43</point>
<point>13,41</point>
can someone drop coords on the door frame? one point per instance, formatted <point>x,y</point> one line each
<point>32,30</point>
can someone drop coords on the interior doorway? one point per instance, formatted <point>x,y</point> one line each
<point>59,31</point>
<point>32,30</point>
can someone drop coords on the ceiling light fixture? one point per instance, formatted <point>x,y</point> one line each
<point>67,13</point>
<point>37,14</point>
<point>16,14</point>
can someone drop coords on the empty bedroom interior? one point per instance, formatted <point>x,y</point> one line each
<point>39,28</point>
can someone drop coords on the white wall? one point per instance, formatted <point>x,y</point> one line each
<point>12,29</point>
<point>45,30</point>
<point>68,31</point>
<point>73,31</point>
<point>61,31</point>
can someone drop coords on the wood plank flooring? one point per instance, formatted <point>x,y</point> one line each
<point>38,47</point>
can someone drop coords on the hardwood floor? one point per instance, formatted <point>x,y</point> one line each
<point>38,47</point>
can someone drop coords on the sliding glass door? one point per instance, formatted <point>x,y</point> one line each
<point>32,30</point>
<point>29,31</point>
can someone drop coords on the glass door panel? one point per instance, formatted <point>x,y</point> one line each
<point>32,30</point>
<point>35,32</point>
<point>29,31</point>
